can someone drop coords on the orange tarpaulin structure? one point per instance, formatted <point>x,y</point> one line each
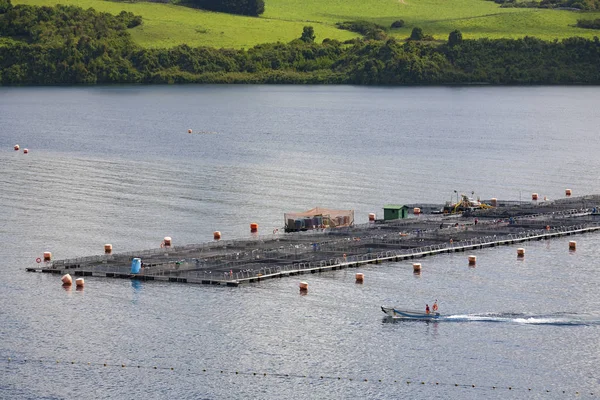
<point>317,218</point>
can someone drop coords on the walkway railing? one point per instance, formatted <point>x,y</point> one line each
<point>286,256</point>
<point>408,253</point>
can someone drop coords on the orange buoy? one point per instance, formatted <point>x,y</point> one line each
<point>417,268</point>
<point>25,151</point>
<point>79,282</point>
<point>167,241</point>
<point>372,217</point>
<point>572,245</point>
<point>416,211</point>
<point>189,131</point>
<point>107,248</point>
<point>17,147</point>
<point>217,235</point>
<point>534,196</point>
<point>547,227</point>
<point>472,260</point>
<point>360,277</point>
<point>303,286</point>
<point>520,252</point>
<point>494,202</point>
<point>254,227</point>
<point>567,192</point>
<point>47,256</point>
<point>67,280</point>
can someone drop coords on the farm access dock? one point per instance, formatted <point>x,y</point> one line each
<point>231,262</point>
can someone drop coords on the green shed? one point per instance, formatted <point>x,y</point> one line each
<point>393,211</point>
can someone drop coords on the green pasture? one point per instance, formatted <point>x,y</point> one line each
<point>167,25</point>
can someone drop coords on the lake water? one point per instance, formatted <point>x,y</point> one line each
<point>117,165</point>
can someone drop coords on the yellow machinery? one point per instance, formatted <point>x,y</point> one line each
<point>465,204</point>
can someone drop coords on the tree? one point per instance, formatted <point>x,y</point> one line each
<point>398,24</point>
<point>416,34</point>
<point>255,7</point>
<point>376,34</point>
<point>455,38</point>
<point>244,7</point>
<point>5,6</point>
<point>308,34</point>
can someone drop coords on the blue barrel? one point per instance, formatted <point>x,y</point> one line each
<point>136,264</point>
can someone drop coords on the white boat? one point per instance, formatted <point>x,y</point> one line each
<point>397,313</point>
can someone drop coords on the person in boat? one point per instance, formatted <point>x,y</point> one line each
<point>426,308</point>
<point>435,306</point>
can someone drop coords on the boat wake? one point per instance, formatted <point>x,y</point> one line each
<point>559,319</point>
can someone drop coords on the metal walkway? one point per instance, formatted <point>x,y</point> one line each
<point>249,260</point>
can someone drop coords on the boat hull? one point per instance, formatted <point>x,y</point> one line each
<point>397,313</point>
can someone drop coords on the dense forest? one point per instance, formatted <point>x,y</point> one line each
<point>583,5</point>
<point>67,45</point>
<point>242,7</point>
<point>589,23</point>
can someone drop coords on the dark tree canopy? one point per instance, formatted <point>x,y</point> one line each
<point>308,34</point>
<point>243,7</point>
<point>359,26</point>
<point>586,5</point>
<point>589,23</point>
<point>416,34</point>
<point>5,5</point>
<point>398,24</point>
<point>455,38</point>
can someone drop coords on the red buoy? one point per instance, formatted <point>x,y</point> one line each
<point>67,280</point>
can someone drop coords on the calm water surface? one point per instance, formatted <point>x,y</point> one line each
<point>116,165</point>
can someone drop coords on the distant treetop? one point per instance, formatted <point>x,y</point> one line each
<point>243,7</point>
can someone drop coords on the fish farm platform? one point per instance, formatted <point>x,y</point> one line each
<point>232,262</point>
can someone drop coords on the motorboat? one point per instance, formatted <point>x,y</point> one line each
<point>397,313</point>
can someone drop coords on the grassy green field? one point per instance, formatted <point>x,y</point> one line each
<point>168,25</point>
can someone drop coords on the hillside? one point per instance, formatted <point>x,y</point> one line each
<point>66,45</point>
<point>166,25</point>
